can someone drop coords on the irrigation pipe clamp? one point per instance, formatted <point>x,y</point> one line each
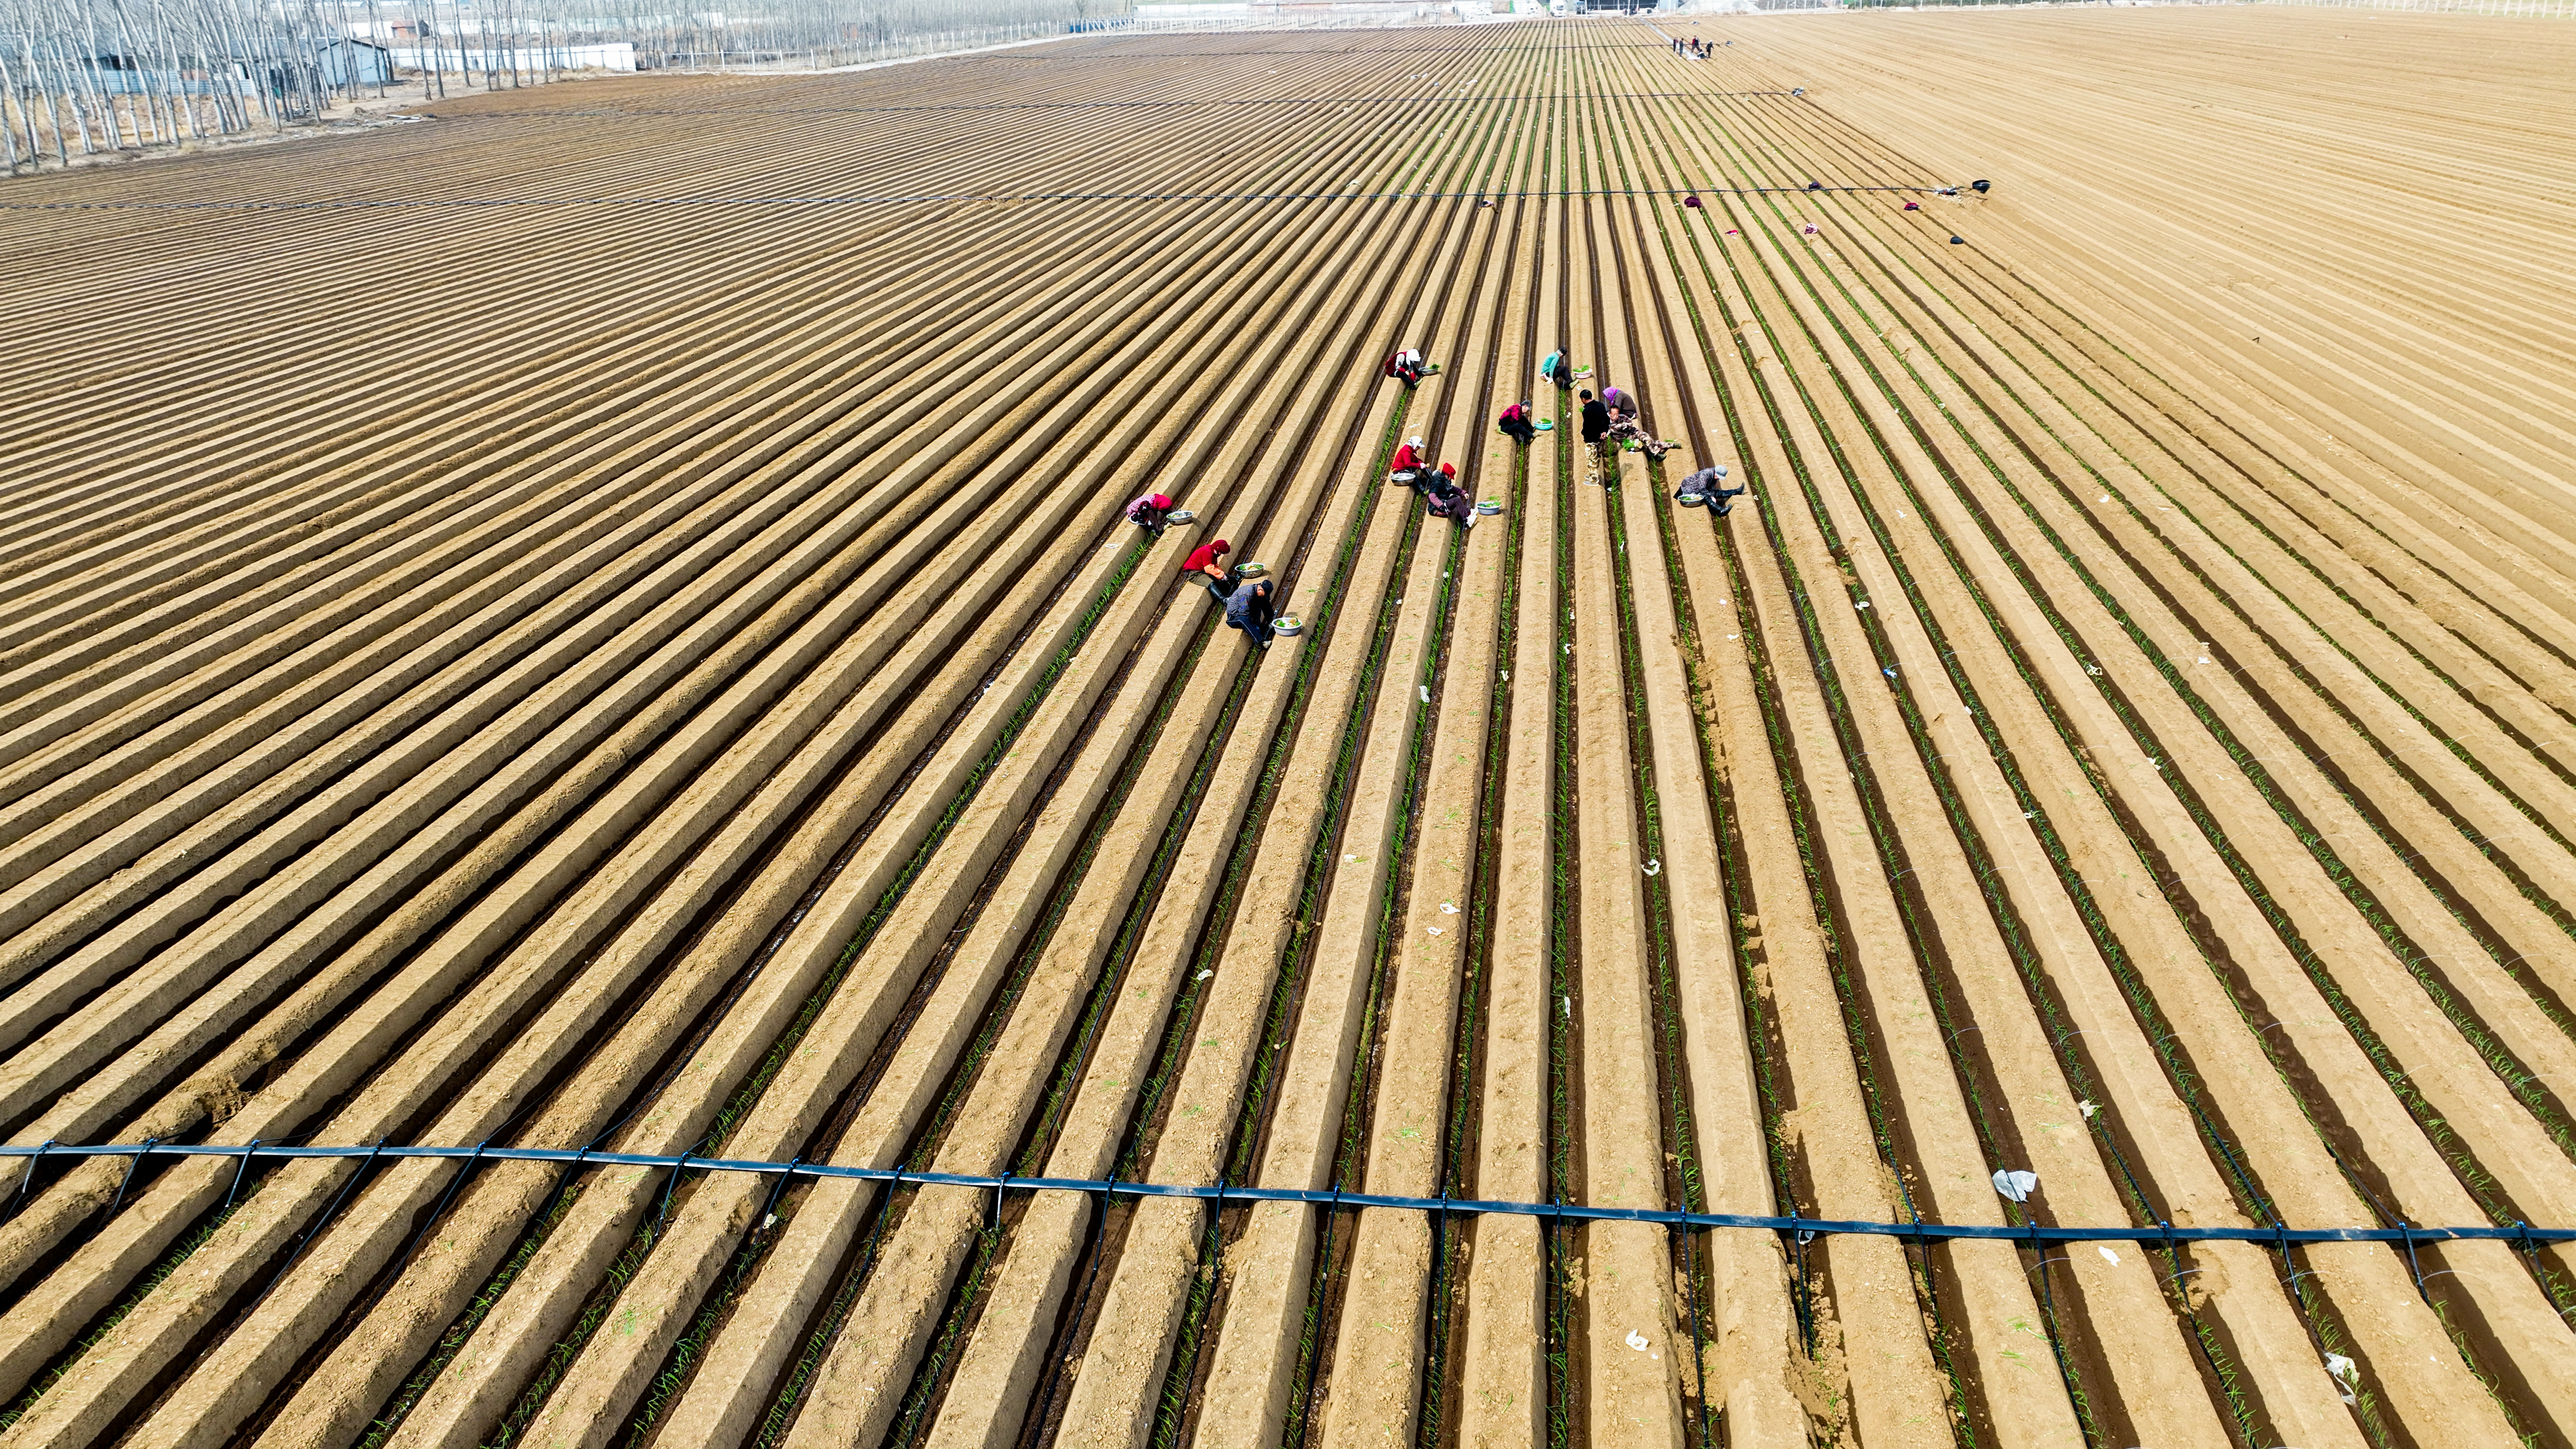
<point>29,1180</point>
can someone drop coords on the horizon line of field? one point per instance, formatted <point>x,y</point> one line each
<point>617,112</point>
<point>2410,1235</point>
<point>348,204</point>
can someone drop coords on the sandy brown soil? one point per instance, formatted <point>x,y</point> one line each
<point>601,620</point>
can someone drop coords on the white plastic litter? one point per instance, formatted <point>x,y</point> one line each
<point>1637,1341</point>
<point>2106,497</point>
<point>1654,867</point>
<point>1863,604</point>
<point>1426,692</point>
<point>2109,1257</point>
<point>2087,1108</point>
<point>2015,1183</point>
<point>1435,930</point>
<point>2347,1378</point>
<point>1447,909</point>
<point>1569,1004</point>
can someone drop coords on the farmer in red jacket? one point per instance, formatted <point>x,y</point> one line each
<point>1206,568</point>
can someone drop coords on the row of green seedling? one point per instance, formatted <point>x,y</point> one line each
<point>2328,1331</point>
<point>561,1356</point>
<point>1831,928</point>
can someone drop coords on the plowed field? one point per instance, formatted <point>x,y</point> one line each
<point>601,620</point>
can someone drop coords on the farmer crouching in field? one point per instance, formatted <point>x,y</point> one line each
<point>1407,367</point>
<point>1206,568</point>
<point>1626,428</point>
<point>1704,482</point>
<point>1150,513</point>
<point>1249,610</point>
<point>1515,424</point>
<point>1445,499</point>
<point>1409,463</point>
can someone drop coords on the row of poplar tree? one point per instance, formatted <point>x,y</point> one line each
<point>80,79</point>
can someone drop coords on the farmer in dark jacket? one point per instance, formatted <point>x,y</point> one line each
<point>1249,610</point>
<point>1444,498</point>
<point>1596,425</point>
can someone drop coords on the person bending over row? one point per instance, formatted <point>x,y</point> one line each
<point>1249,610</point>
<point>1515,423</point>
<point>1704,482</point>
<point>1150,513</point>
<point>1625,427</point>
<point>1206,568</point>
<point>1406,367</point>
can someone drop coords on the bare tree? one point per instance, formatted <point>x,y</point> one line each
<point>139,74</point>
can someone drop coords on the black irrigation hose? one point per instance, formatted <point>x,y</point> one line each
<point>1095,1251</point>
<point>2519,1232</point>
